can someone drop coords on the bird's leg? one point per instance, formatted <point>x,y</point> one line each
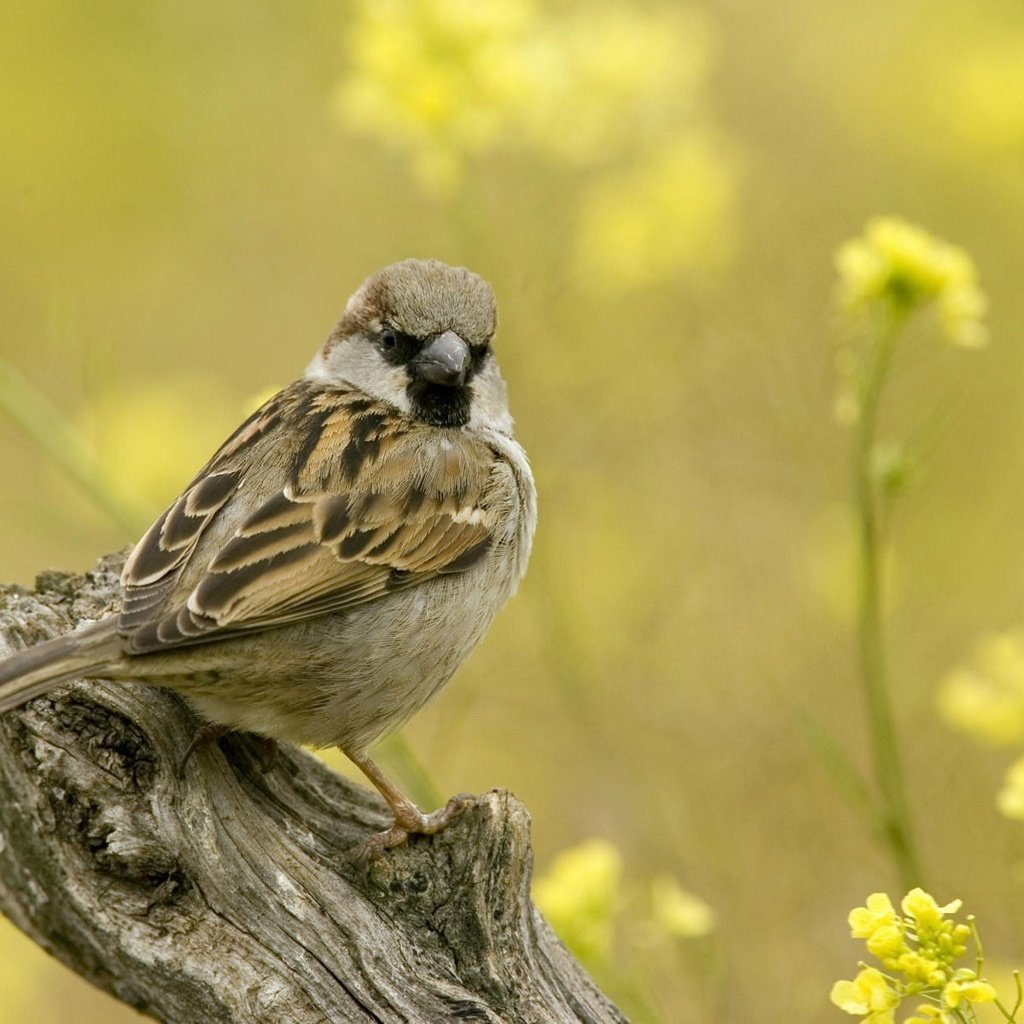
<point>205,735</point>
<point>408,817</point>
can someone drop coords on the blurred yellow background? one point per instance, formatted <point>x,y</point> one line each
<point>190,191</point>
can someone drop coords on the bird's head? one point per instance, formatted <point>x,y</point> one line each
<point>417,335</point>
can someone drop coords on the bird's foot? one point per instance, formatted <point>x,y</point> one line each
<point>410,820</point>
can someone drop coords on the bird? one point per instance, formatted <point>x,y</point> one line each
<point>343,551</point>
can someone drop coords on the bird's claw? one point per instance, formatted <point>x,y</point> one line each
<point>410,820</point>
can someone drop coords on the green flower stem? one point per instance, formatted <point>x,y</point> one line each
<point>1011,1014</point>
<point>894,809</point>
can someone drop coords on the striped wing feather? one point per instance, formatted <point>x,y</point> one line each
<point>368,504</point>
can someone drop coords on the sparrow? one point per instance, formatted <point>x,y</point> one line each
<point>343,551</point>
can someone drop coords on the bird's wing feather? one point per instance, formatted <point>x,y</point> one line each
<point>371,503</point>
<point>157,563</point>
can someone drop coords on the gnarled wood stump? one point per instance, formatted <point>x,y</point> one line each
<point>231,894</point>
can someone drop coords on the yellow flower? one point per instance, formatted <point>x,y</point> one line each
<point>440,78</point>
<point>961,311</point>
<point>679,912</point>
<point>906,267</point>
<point>929,1015</point>
<point>669,214</point>
<point>879,913</point>
<point>919,950</point>
<point>981,101</point>
<point>921,969</point>
<point>1010,799</point>
<point>150,437</point>
<point>446,79</point>
<point>579,895</point>
<point>887,943</point>
<point>927,914</point>
<point>868,994</point>
<point>986,698</point>
<point>967,989</point>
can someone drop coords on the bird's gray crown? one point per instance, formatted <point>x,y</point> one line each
<point>422,298</point>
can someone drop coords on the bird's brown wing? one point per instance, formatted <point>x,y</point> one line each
<point>371,503</point>
<point>156,564</point>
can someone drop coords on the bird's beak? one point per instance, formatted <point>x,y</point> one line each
<point>444,360</point>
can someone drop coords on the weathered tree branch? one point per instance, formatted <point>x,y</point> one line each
<point>232,895</point>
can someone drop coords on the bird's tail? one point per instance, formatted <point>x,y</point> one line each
<point>30,673</point>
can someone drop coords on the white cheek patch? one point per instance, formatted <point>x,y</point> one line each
<point>317,369</point>
<point>490,405</point>
<point>356,365</point>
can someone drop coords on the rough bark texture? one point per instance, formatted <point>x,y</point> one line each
<point>232,895</point>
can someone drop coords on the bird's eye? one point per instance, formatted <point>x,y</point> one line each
<point>394,346</point>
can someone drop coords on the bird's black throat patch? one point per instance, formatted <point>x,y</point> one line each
<point>438,404</point>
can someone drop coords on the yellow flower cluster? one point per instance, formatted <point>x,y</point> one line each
<point>979,100</point>
<point>582,896</point>
<point>681,913</point>
<point>144,463</point>
<point>671,212</point>
<point>986,699</point>
<point>436,77</point>
<point>448,78</point>
<point>869,994</point>
<point>904,267</point>
<point>1010,800</point>
<point>918,950</point>
<point>610,89</point>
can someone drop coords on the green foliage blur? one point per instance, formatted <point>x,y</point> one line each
<point>190,191</point>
